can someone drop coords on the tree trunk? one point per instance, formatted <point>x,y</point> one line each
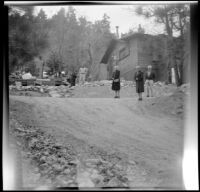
<point>180,23</point>
<point>169,73</point>
<point>182,60</point>
<point>169,32</point>
<point>60,48</point>
<point>172,52</point>
<point>177,77</point>
<point>90,58</point>
<point>42,69</point>
<point>168,29</point>
<point>181,73</point>
<point>169,62</point>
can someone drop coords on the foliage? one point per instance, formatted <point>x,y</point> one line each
<point>78,41</point>
<point>31,67</point>
<point>26,36</point>
<point>54,62</point>
<point>175,18</point>
<point>64,41</point>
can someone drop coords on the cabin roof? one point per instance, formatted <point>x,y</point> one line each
<point>134,35</point>
<point>110,48</point>
<point>113,42</point>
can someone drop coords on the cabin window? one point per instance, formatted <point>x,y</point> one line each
<point>124,52</point>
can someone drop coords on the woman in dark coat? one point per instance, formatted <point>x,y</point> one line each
<point>73,79</point>
<point>139,79</point>
<point>116,81</point>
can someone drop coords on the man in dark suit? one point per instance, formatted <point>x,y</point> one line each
<point>139,79</point>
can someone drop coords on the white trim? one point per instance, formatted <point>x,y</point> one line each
<point>103,2</point>
<point>31,2</point>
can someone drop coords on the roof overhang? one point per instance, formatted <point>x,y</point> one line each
<point>109,50</point>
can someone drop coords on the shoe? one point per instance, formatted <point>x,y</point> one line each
<point>115,97</point>
<point>147,95</point>
<point>140,99</point>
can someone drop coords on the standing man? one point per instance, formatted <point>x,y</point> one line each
<point>150,77</point>
<point>86,73</point>
<point>41,67</point>
<point>82,75</point>
<point>69,77</point>
<point>139,79</point>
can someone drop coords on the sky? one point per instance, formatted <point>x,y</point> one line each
<point>119,16</point>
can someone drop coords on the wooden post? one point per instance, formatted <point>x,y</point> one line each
<point>42,69</point>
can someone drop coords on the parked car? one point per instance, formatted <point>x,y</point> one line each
<point>45,75</point>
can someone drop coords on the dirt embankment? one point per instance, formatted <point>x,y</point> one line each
<point>174,105</point>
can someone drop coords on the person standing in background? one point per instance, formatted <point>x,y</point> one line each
<point>86,74</point>
<point>73,78</point>
<point>149,80</point>
<point>116,81</point>
<point>68,78</point>
<point>139,79</point>
<point>82,75</point>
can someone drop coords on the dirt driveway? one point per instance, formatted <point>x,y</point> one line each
<point>148,139</point>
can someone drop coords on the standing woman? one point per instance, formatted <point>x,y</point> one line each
<point>139,79</point>
<point>116,81</point>
<point>73,78</point>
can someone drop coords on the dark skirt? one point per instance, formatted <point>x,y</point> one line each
<point>139,86</point>
<point>115,86</point>
<point>73,81</point>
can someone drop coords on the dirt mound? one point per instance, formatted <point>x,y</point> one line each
<point>171,104</point>
<point>41,91</point>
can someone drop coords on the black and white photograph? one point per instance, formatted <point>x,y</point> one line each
<point>99,96</point>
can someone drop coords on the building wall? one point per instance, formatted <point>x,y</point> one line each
<point>131,62</point>
<point>128,64</point>
<point>145,50</point>
<point>103,72</point>
<point>161,48</point>
<point>111,62</point>
<point>151,51</point>
<point>146,54</point>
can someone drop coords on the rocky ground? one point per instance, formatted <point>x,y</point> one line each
<point>97,89</point>
<point>54,165</point>
<point>99,142</point>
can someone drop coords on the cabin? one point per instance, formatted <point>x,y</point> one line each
<point>132,50</point>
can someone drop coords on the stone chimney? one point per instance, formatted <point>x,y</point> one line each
<point>140,29</point>
<point>117,32</point>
